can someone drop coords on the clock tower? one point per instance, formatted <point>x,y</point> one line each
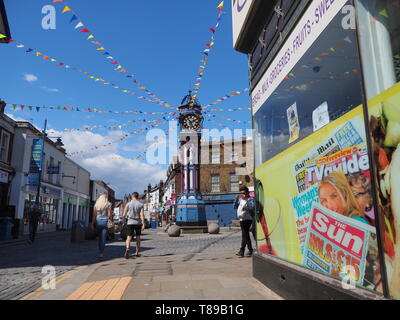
<point>190,206</point>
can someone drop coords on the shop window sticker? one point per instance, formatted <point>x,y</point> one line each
<point>320,116</point>
<point>293,120</point>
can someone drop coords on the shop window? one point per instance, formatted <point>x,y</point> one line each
<point>312,157</point>
<point>379,33</point>
<point>330,66</point>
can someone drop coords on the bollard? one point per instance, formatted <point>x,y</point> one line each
<point>213,228</point>
<point>174,231</point>
<point>77,232</point>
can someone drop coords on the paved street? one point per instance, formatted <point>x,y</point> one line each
<point>21,265</point>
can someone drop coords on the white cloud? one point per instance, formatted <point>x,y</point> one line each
<point>126,175</point>
<point>30,77</point>
<point>50,89</point>
<point>15,118</point>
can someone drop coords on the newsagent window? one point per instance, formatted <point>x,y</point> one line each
<point>379,32</point>
<point>324,85</point>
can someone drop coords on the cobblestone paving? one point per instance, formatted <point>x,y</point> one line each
<point>21,265</point>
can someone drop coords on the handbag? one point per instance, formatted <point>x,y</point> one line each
<point>110,224</point>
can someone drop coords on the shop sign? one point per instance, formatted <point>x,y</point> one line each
<point>312,24</point>
<point>240,10</point>
<point>3,177</point>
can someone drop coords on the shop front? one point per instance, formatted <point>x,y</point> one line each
<point>325,97</point>
<point>50,200</point>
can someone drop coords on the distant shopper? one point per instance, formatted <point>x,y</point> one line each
<point>245,207</point>
<point>101,214</point>
<point>34,218</point>
<point>135,214</point>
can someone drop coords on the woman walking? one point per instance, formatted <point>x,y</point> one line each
<point>101,215</point>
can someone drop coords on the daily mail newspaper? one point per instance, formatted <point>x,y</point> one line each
<point>336,244</point>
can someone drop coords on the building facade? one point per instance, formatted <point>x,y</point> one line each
<point>7,172</point>
<point>325,97</point>
<point>24,187</point>
<point>76,195</point>
<point>225,165</point>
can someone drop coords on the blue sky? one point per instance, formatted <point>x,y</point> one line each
<point>159,41</point>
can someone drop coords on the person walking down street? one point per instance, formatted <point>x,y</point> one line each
<point>34,217</point>
<point>101,215</point>
<point>134,211</point>
<point>244,205</point>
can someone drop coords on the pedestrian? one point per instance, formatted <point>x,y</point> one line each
<point>134,211</point>
<point>34,217</point>
<point>244,205</point>
<point>101,215</point>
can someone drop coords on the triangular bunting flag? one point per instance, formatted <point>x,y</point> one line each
<point>79,25</point>
<point>74,17</point>
<point>66,9</point>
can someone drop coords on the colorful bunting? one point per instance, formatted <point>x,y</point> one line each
<point>98,79</point>
<point>120,69</point>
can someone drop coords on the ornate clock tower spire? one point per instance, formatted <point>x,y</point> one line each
<point>191,207</point>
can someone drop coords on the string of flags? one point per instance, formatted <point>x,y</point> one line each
<point>120,139</point>
<point>206,52</point>
<point>312,82</point>
<point>114,127</point>
<point>230,119</point>
<point>99,79</point>
<point>22,107</point>
<point>25,107</point>
<point>329,52</point>
<point>111,60</point>
<point>226,97</point>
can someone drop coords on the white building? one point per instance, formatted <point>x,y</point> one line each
<point>64,191</point>
<point>76,197</point>
<point>23,189</point>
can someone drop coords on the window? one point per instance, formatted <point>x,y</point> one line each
<point>234,181</point>
<point>59,173</point>
<point>51,164</point>
<point>4,146</point>
<point>331,62</point>
<point>215,157</point>
<point>235,156</point>
<point>215,186</point>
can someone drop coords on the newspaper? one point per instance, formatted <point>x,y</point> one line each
<point>336,244</point>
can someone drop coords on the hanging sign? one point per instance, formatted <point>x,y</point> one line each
<point>36,156</point>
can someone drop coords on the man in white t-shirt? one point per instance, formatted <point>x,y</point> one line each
<point>244,206</point>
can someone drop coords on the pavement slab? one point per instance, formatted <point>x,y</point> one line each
<point>192,267</point>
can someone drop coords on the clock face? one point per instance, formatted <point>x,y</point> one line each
<point>191,122</point>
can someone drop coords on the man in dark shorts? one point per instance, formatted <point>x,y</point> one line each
<point>135,214</point>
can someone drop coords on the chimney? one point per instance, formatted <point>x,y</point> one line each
<point>2,106</point>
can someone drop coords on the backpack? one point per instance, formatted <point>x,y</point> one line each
<point>250,207</point>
